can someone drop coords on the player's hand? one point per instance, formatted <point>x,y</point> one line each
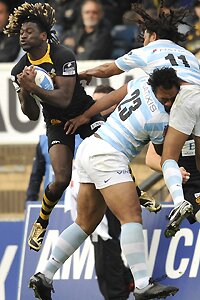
<point>85,76</point>
<point>185,174</point>
<point>71,126</point>
<point>19,76</point>
<point>27,78</point>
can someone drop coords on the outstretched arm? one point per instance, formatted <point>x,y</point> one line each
<point>102,71</point>
<point>106,102</point>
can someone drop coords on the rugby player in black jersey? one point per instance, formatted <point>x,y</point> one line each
<point>34,23</point>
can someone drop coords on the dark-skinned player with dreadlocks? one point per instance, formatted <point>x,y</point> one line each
<point>161,49</point>
<point>34,23</point>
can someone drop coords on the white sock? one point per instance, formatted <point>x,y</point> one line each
<point>132,244</point>
<point>68,241</point>
<point>173,180</point>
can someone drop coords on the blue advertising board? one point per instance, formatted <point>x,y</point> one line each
<point>177,257</point>
<point>76,279</point>
<point>11,234</point>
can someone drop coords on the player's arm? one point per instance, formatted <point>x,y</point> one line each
<point>153,159</point>
<point>106,102</point>
<point>134,59</point>
<point>59,97</point>
<point>103,71</point>
<point>28,104</point>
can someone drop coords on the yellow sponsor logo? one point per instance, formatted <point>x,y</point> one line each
<point>55,122</point>
<point>198,200</point>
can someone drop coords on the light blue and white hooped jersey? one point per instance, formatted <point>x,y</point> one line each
<point>162,53</point>
<point>138,119</point>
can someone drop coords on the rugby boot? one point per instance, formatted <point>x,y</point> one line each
<point>176,216</point>
<point>155,290</point>
<point>42,289</point>
<point>149,202</point>
<point>36,236</point>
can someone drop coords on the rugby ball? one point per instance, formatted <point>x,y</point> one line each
<point>43,80</point>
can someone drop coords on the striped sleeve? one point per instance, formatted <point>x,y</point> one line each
<point>134,59</point>
<point>156,127</point>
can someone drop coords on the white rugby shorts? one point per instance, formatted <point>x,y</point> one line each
<point>99,163</point>
<point>185,112</point>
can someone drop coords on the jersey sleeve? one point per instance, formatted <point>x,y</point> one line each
<point>17,69</point>
<point>157,127</point>
<point>134,59</point>
<point>65,62</point>
<point>15,83</point>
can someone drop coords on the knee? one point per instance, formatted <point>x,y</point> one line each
<point>87,222</point>
<point>87,227</point>
<point>62,184</point>
<point>62,179</point>
<point>133,214</point>
<point>137,216</point>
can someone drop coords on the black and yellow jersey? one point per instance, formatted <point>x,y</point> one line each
<point>58,61</point>
<point>188,161</point>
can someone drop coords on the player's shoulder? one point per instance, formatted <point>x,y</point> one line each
<point>19,66</point>
<point>160,116</point>
<point>58,50</point>
<point>138,82</point>
<point>135,52</point>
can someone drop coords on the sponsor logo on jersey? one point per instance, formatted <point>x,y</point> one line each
<point>55,142</point>
<point>52,73</point>
<point>198,200</point>
<point>123,172</point>
<point>188,148</point>
<point>197,196</point>
<point>96,124</point>
<point>56,122</point>
<point>148,96</point>
<point>69,68</point>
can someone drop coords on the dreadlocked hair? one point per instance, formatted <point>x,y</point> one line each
<point>165,25</point>
<point>41,13</point>
<point>161,4</point>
